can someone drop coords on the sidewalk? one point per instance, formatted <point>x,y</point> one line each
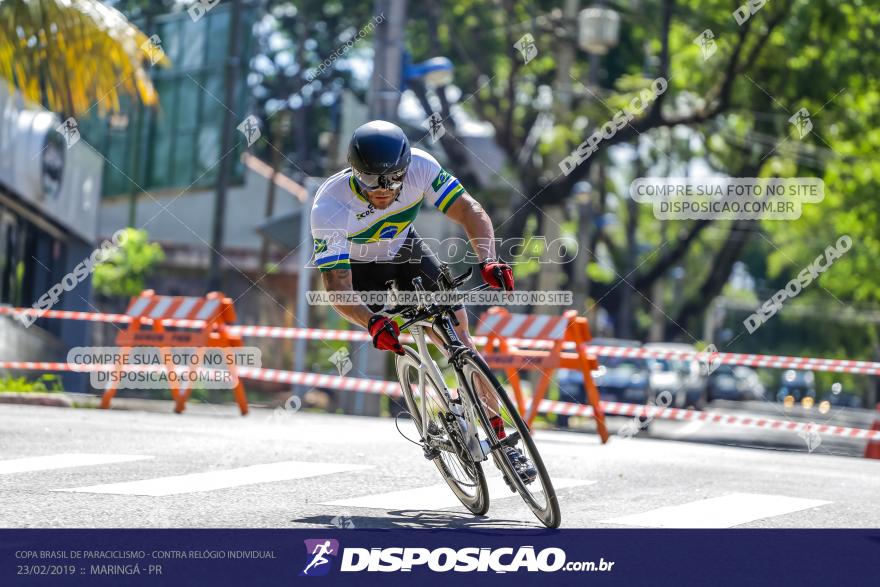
<point>88,400</point>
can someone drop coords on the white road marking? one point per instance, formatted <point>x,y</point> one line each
<point>213,480</point>
<point>63,461</point>
<point>688,429</point>
<point>719,512</point>
<point>435,497</point>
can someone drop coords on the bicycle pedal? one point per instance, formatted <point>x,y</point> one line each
<point>509,440</point>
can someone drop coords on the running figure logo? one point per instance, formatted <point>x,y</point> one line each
<point>434,124</point>
<point>707,44</point>
<point>318,550</point>
<point>250,128</point>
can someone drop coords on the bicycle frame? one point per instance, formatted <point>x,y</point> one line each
<point>426,364</point>
<point>440,322</point>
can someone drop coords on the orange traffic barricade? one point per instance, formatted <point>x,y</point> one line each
<point>500,326</point>
<point>872,449</point>
<point>209,317</point>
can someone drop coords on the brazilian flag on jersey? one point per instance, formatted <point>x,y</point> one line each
<point>388,226</point>
<point>447,189</point>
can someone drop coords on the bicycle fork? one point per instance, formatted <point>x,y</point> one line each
<point>455,418</point>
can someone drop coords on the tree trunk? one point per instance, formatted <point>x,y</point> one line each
<point>625,322</point>
<point>741,232</point>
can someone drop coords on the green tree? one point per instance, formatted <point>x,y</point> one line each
<point>733,109</point>
<point>73,55</point>
<point>302,66</point>
<point>125,272</point>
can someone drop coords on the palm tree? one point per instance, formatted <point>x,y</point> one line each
<point>74,55</point>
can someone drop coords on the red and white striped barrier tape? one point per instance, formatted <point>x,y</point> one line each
<point>86,368</point>
<point>272,375</point>
<point>769,361</point>
<point>64,314</point>
<point>92,316</point>
<point>72,367</point>
<point>749,421</point>
<point>546,406</point>
<point>322,380</point>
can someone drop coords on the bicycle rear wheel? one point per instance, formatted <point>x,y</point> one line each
<point>539,494</point>
<point>464,476</point>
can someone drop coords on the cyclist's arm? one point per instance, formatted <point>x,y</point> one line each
<point>468,213</point>
<point>332,257</point>
<point>340,280</point>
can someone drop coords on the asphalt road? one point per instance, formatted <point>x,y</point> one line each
<point>62,467</point>
<point>750,437</point>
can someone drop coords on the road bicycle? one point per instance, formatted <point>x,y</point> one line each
<point>454,424</point>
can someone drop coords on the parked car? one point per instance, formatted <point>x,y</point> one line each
<point>836,397</point>
<point>624,379</point>
<point>619,379</point>
<point>796,384</point>
<point>682,377</point>
<point>734,383</point>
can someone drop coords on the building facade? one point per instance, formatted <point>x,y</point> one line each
<point>50,186</point>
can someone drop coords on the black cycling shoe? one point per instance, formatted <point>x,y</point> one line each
<point>521,464</point>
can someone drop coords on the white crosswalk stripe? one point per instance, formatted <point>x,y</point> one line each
<point>724,511</point>
<point>63,461</point>
<point>688,429</point>
<point>719,512</point>
<point>214,480</point>
<point>437,496</point>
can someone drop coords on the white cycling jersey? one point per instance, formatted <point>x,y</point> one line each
<point>345,226</point>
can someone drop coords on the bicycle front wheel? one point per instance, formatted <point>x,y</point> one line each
<point>490,399</point>
<point>464,476</point>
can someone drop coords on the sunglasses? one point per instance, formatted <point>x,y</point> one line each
<point>370,181</point>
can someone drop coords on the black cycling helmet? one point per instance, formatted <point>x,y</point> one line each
<point>379,155</point>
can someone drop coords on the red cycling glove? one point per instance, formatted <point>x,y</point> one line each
<point>490,268</point>
<point>385,334</point>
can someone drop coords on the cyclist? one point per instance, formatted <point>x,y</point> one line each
<point>361,223</point>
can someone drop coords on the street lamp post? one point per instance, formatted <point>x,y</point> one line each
<point>598,32</point>
<point>391,70</point>
<point>384,92</point>
<point>584,211</point>
<point>599,29</point>
<point>392,67</point>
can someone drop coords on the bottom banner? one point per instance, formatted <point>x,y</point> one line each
<point>438,557</point>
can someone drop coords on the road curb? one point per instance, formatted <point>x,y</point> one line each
<point>59,400</point>
<point>87,400</point>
